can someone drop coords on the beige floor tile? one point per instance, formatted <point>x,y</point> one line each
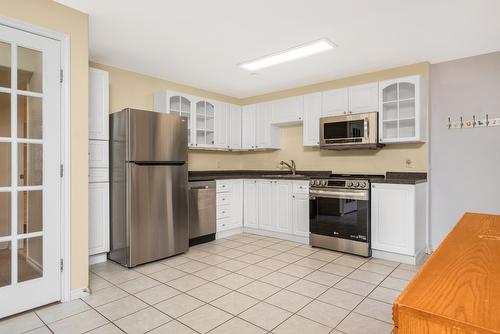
<point>350,261</point>
<point>192,266</point>
<point>311,263</point>
<point>187,283</point>
<point>354,286</point>
<point>248,248</point>
<point>300,325</point>
<point>233,281</point>
<point>106,267</point>
<point>212,273</point>
<point>118,277</point>
<point>303,251</point>
<point>209,292</point>
<point>403,274</point>
<point>279,279</point>
<point>288,300</point>
<point>232,244</point>
<point>40,330</point>
<point>291,243</point>
<point>367,276</point>
<point>265,315</point>
<point>139,284</point>
<point>176,260</point>
<point>157,294</point>
<point>106,329</point>
<point>232,253</point>
<point>376,268</point>
<point>281,247</point>
<point>150,268</point>
<point>358,324</point>
<point>215,249</point>
<point>394,283</point>
<point>98,283</point>
<point>213,259</point>
<point>263,243</point>
<point>258,290</point>
<point>409,267</point>
<point>266,252</point>
<point>326,256</point>
<point>168,274</point>
<point>337,269</point>
<point>287,257</point>
<point>387,263</point>
<point>121,307</point>
<point>384,294</point>
<point>254,271</point>
<point>272,264</point>
<point>179,305</point>
<point>375,309</point>
<point>173,327</point>
<point>307,288</point>
<point>79,323</point>
<point>295,270</point>
<point>234,302</point>
<point>239,326</point>
<point>59,311</point>
<point>104,296</point>
<point>194,254</point>
<point>232,265</point>
<point>341,298</point>
<point>142,321</point>
<point>205,318</point>
<point>20,323</point>
<point>323,313</point>
<point>324,278</point>
<point>251,258</point>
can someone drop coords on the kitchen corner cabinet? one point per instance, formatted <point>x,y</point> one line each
<point>398,221</point>
<point>98,218</point>
<point>312,114</point>
<point>401,115</point>
<point>257,132</point>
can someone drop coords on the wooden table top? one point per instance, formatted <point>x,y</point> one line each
<point>460,283</point>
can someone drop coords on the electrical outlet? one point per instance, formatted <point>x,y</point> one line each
<point>409,163</point>
<point>217,164</point>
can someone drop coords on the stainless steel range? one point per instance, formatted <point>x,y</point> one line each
<point>339,209</point>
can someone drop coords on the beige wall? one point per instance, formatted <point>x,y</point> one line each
<point>51,15</point>
<point>128,89</point>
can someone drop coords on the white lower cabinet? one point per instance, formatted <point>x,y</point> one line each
<point>229,204</point>
<point>282,212</point>
<point>265,205</point>
<point>398,221</point>
<point>98,218</point>
<point>300,221</point>
<point>250,204</point>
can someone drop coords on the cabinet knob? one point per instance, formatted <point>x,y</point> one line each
<point>293,196</point>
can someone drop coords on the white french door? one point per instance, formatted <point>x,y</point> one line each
<point>30,182</point>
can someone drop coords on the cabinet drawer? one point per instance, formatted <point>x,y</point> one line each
<point>98,175</point>
<point>223,211</point>
<point>224,224</point>
<point>223,198</point>
<point>223,186</point>
<point>301,188</point>
<point>98,153</point>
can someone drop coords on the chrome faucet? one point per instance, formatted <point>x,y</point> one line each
<point>292,166</point>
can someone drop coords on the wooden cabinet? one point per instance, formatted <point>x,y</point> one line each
<point>363,98</point>
<point>288,111</point>
<point>98,104</point>
<point>248,127</point>
<point>300,223</point>
<point>234,127</point>
<point>312,114</point>
<point>335,102</point>
<point>267,136</point>
<point>98,218</point>
<point>250,204</point>
<point>401,118</point>
<point>398,221</point>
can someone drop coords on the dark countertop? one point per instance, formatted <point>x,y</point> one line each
<point>254,174</point>
<point>403,178</point>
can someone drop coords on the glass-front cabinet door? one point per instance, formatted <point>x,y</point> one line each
<point>182,105</point>
<point>205,123</point>
<point>401,115</point>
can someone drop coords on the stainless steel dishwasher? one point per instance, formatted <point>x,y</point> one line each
<point>202,212</point>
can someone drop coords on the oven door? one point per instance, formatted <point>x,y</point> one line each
<point>340,213</point>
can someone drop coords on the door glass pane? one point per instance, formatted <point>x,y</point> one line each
<point>5,64</point>
<point>5,165</point>
<point>30,259</point>
<point>390,111</point>
<point>407,109</point>
<point>5,260</point>
<point>390,93</point>
<point>390,129</point>
<point>29,117</point>
<point>185,105</point>
<point>406,90</point>
<point>4,214</point>
<point>29,70</point>
<point>30,164</point>
<point>174,103</point>
<point>30,211</point>
<point>210,110</point>
<point>407,128</point>
<point>4,115</point>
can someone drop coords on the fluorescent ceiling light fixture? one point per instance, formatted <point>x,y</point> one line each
<point>290,54</point>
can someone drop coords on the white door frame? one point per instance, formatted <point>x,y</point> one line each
<point>64,39</point>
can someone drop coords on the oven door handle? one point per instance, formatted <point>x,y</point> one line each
<point>361,195</point>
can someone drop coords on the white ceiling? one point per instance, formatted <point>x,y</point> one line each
<point>201,42</point>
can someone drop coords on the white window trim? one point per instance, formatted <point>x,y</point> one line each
<point>64,39</point>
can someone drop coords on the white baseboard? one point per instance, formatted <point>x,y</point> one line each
<point>279,235</point>
<point>79,293</point>
<point>228,233</point>
<point>98,258</point>
<point>418,259</point>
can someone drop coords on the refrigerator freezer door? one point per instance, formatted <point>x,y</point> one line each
<point>156,137</point>
<point>158,204</point>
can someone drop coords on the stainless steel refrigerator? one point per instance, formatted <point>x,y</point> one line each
<point>148,177</point>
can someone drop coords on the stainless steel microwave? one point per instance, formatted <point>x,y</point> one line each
<point>352,131</point>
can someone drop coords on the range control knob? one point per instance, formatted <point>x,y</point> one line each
<point>355,184</point>
<point>348,184</point>
<point>311,182</point>
<point>362,184</point>
<point>324,183</point>
<point>316,182</point>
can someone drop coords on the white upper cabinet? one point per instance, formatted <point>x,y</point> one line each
<point>288,111</point>
<point>98,104</point>
<point>267,136</point>
<point>204,124</point>
<point>363,98</point>
<point>222,125</point>
<point>234,127</point>
<point>401,117</point>
<point>248,127</point>
<point>335,102</point>
<point>312,114</point>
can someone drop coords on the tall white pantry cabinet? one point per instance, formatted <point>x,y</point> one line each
<point>98,165</point>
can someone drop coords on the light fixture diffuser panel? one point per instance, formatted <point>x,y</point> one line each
<point>298,52</point>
